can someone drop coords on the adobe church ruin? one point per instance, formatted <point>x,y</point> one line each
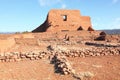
<point>65,20</point>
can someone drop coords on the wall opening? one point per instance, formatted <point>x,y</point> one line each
<point>80,28</point>
<point>90,29</point>
<point>64,17</point>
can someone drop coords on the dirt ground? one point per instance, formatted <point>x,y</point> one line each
<point>30,70</point>
<point>103,68</point>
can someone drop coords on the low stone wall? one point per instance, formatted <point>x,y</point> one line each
<point>100,51</point>
<point>102,44</point>
<point>34,55</point>
<point>17,56</point>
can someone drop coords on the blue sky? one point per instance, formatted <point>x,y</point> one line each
<point>26,15</point>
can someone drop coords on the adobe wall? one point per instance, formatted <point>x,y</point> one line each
<point>5,44</point>
<point>64,20</point>
<point>25,39</point>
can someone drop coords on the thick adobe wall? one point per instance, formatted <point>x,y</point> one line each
<point>65,20</point>
<point>86,23</point>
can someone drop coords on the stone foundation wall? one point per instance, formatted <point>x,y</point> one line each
<point>35,55</point>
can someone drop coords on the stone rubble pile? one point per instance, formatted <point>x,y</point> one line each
<point>62,65</point>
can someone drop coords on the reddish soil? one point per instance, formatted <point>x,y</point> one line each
<point>30,70</point>
<point>103,67</point>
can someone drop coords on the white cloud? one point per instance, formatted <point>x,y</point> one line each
<point>114,1</point>
<point>63,6</point>
<point>48,2</point>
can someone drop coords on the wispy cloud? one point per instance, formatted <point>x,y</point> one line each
<point>115,24</point>
<point>115,1</point>
<point>46,3</point>
<point>96,23</point>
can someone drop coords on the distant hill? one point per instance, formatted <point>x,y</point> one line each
<point>112,31</point>
<point>7,32</point>
<point>108,31</point>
